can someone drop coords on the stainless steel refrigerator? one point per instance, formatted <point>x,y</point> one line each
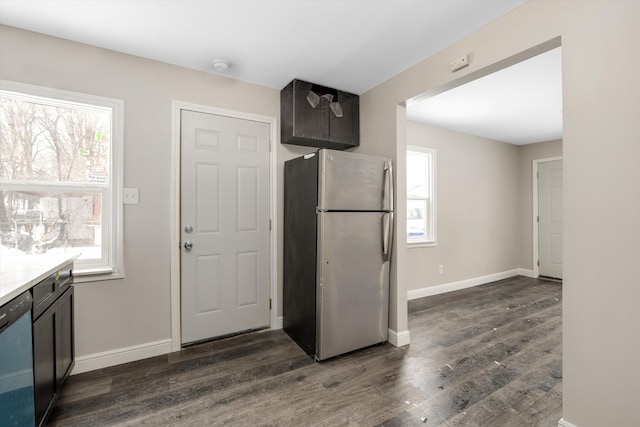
<point>338,229</point>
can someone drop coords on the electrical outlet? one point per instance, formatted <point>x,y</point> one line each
<point>130,196</point>
<point>441,269</point>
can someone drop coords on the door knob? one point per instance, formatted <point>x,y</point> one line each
<point>188,246</point>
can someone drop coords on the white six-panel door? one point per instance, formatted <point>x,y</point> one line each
<point>550,218</point>
<point>224,225</point>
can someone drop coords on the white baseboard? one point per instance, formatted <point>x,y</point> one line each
<point>526,273</point>
<point>563,423</point>
<point>105,359</point>
<point>468,283</point>
<point>399,339</point>
<point>118,356</point>
<point>91,362</point>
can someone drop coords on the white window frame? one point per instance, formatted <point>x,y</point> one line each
<point>111,264</point>
<point>417,242</point>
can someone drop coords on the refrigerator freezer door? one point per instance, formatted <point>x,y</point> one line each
<point>354,182</point>
<point>353,283</point>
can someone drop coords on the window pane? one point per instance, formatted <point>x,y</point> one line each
<point>416,218</point>
<point>34,222</point>
<point>63,143</point>
<point>417,172</point>
<point>61,176</point>
<point>421,195</point>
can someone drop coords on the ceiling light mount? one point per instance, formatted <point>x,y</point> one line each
<point>221,65</point>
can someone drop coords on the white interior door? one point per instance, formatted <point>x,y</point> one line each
<point>224,225</point>
<point>550,218</point>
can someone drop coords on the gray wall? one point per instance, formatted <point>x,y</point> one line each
<point>478,209</point>
<point>135,310</point>
<point>601,198</point>
<point>600,149</point>
<point>527,154</point>
<point>484,206</point>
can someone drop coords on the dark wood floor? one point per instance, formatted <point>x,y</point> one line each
<point>484,356</point>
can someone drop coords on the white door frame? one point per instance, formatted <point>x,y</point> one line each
<point>536,268</point>
<point>176,107</point>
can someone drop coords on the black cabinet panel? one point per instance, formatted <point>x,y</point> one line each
<point>310,123</point>
<point>308,119</point>
<point>300,251</point>
<point>44,294</point>
<point>64,336</point>
<point>44,363</point>
<point>346,129</point>
<point>53,342</point>
<point>65,278</point>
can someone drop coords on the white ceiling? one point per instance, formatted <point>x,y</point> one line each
<point>352,45</point>
<point>521,104</point>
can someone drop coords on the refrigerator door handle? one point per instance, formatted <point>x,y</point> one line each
<point>387,199</point>
<point>387,235</point>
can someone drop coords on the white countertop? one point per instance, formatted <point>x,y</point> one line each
<point>20,273</point>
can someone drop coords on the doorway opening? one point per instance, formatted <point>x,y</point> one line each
<point>547,218</point>
<point>464,108</point>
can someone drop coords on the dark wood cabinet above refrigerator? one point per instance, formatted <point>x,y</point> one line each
<point>319,116</point>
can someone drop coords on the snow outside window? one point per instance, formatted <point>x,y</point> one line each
<point>61,175</point>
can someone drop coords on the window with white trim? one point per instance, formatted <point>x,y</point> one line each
<point>61,176</point>
<point>421,190</point>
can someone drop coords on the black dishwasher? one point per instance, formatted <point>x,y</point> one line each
<point>16,363</point>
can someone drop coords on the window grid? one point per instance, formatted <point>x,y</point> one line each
<point>421,196</point>
<point>58,193</point>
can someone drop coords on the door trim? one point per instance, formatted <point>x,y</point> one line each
<point>176,108</point>
<point>534,176</point>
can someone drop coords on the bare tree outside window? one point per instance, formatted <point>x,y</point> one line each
<point>54,175</point>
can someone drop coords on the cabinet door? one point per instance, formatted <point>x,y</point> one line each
<point>309,122</point>
<point>345,130</point>
<point>44,362</point>
<point>64,335</point>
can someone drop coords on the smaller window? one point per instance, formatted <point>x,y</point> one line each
<point>421,190</point>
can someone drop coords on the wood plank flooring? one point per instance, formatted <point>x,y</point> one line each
<point>484,356</point>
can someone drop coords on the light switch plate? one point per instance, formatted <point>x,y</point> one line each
<point>131,196</point>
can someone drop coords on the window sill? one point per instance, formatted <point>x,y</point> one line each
<point>95,275</point>
<point>415,245</point>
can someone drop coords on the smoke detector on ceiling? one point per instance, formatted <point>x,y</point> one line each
<point>220,65</point>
